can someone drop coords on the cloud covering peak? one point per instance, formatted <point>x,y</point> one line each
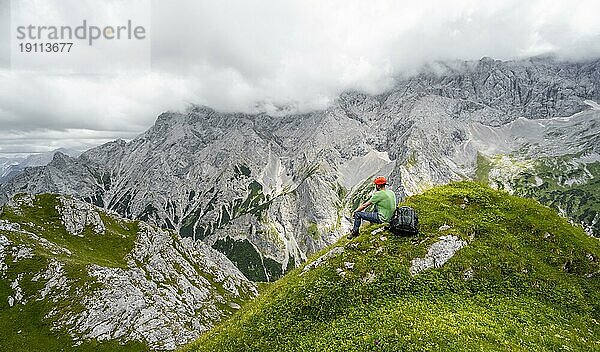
<point>240,55</point>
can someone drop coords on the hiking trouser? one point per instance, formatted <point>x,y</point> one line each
<point>365,215</point>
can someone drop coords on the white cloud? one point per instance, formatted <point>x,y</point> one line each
<point>233,55</point>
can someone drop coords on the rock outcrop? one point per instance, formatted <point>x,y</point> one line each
<point>164,291</point>
<point>438,254</point>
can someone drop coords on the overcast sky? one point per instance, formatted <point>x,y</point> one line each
<point>240,55</point>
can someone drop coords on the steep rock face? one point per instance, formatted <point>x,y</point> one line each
<point>535,88</point>
<point>63,175</point>
<point>269,190</point>
<point>99,277</point>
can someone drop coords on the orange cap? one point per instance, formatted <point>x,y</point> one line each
<point>380,181</point>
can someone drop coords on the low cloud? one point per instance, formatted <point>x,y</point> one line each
<point>251,54</point>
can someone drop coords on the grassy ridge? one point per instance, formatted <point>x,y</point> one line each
<point>24,327</point>
<point>527,280</point>
<point>107,249</point>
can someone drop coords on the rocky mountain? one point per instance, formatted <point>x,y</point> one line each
<point>488,272</point>
<point>75,277</point>
<point>10,167</point>
<point>269,190</point>
<point>7,162</point>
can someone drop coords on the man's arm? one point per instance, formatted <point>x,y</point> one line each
<point>363,206</point>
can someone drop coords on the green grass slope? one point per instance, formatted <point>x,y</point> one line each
<point>526,281</point>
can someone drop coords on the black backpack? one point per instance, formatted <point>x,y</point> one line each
<point>404,222</point>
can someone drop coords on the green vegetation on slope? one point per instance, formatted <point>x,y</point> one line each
<point>484,166</point>
<point>571,187</point>
<point>23,327</point>
<point>566,183</point>
<point>108,249</point>
<point>527,280</point>
<point>246,258</point>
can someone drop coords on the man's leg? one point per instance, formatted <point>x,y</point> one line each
<point>363,215</point>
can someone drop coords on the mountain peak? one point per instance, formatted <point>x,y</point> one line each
<point>60,159</point>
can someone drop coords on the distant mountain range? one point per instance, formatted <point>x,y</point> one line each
<point>10,167</point>
<point>267,191</point>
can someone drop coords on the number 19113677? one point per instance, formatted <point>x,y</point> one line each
<point>45,47</point>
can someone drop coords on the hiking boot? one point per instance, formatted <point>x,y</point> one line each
<point>352,234</point>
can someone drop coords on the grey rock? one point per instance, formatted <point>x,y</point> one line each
<point>335,251</point>
<point>17,296</point>
<point>161,298</point>
<point>438,254</point>
<point>444,227</point>
<point>4,243</point>
<point>21,252</point>
<point>56,281</point>
<point>76,216</point>
<point>468,274</point>
<point>369,278</point>
<point>12,166</point>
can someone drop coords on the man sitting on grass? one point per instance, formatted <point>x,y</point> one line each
<point>385,204</point>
